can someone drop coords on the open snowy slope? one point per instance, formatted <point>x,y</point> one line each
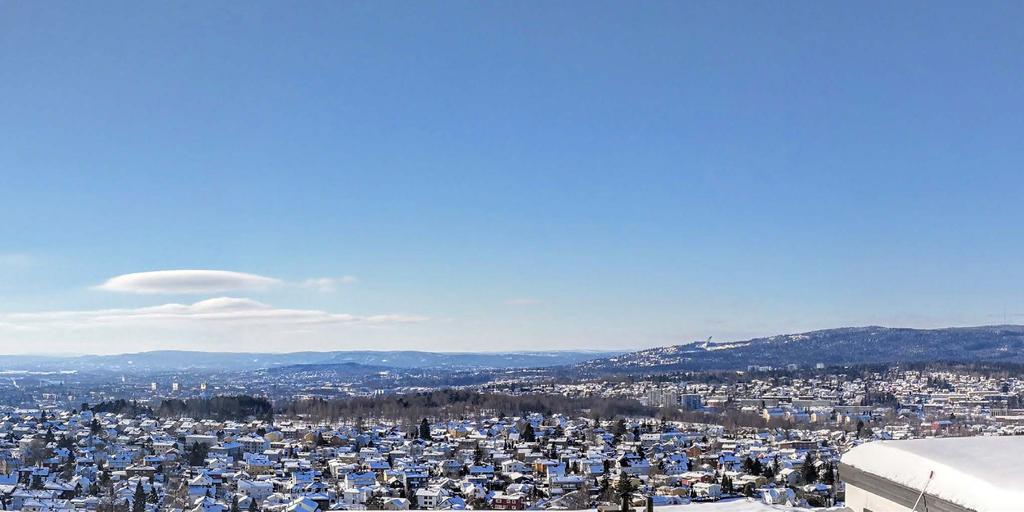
<point>739,505</point>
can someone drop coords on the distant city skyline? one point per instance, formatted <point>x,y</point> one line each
<point>501,177</point>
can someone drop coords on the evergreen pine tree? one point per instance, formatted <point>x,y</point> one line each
<point>623,488</point>
<point>620,427</point>
<point>528,435</point>
<point>197,455</point>
<point>756,468</point>
<point>809,472</point>
<point>139,499</point>
<point>68,468</point>
<point>829,477</point>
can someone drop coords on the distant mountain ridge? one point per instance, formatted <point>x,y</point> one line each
<point>841,346</point>
<point>167,360</point>
<point>847,345</point>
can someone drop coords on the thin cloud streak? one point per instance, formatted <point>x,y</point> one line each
<point>220,310</point>
<point>328,284</point>
<point>186,282</point>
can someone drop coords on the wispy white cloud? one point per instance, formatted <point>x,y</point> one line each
<point>210,281</point>
<point>523,301</point>
<point>220,310</point>
<point>186,282</point>
<point>328,284</point>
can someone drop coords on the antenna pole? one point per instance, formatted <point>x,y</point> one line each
<point>919,496</point>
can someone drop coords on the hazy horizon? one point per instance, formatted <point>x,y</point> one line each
<point>468,177</point>
<point>484,351</point>
<point>71,354</point>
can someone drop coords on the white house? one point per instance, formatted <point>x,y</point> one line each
<point>254,444</point>
<point>707,491</point>
<point>256,489</point>
<point>431,498</point>
<point>360,479</point>
<point>200,485</point>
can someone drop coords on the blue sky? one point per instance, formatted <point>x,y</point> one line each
<point>504,175</point>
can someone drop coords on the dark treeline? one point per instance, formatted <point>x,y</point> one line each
<point>120,406</point>
<point>990,369</point>
<point>452,404</point>
<point>238,407</point>
<point>982,368</point>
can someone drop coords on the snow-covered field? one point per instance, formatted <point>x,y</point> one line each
<point>738,505</point>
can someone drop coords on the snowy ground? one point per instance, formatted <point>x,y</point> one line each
<point>738,505</point>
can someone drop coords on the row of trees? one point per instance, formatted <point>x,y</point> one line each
<point>452,404</point>
<point>120,406</point>
<point>237,407</point>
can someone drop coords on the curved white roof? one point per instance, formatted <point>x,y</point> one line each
<point>980,473</point>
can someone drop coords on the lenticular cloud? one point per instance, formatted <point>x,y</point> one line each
<point>186,281</point>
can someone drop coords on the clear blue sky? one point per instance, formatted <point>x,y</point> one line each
<point>504,175</point>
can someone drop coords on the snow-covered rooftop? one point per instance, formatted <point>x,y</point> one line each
<point>985,474</point>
